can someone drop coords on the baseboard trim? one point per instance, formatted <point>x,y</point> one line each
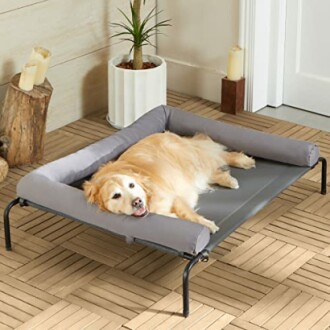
<point>193,79</point>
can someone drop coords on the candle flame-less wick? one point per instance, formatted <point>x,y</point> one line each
<point>42,51</point>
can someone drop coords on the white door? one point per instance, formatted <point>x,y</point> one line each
<point>307,55</point>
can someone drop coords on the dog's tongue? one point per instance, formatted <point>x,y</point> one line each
<point>139,212</point>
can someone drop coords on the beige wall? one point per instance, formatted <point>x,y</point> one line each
<point>77,33</point>
<point>197,44</point>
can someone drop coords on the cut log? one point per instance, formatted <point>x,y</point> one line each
<point>23,123</point>
<point>3,169</point>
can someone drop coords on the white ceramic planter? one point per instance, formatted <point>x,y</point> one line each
<point>132,93</point>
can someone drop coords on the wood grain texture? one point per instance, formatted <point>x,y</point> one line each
<point>232,96</point>
<point>273,272</point>
<point>23,123</point>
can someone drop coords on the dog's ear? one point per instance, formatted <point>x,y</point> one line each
<point>91,190</point>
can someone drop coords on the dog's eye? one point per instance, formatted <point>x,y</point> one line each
<point>116,196</point>
<point>131,185</point>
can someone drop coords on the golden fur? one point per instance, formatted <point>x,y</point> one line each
<point>164,173</point>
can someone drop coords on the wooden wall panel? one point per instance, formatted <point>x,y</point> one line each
<point>8,5</point>
<point>77,33</point>
<point>80,87</point>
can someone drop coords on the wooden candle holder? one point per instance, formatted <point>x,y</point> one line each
<point>232,95</point>
<point>23,123</point>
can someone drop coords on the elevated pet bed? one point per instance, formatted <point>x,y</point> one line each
<point>56,187</point>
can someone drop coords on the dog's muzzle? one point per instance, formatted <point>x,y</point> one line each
<point>137,203</point>
<point>140,209</point>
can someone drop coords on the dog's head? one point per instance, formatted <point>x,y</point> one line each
<point>118,193</point>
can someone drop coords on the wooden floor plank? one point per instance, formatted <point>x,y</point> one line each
<point>233,240</point>
<point>313,277</point>
<point>21,302</point>
<point>269,257</point>
<point>239,324</point>
<point>267,215</point>
<point>159,309</point>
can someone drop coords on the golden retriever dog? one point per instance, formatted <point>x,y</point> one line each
<point>164,173</point>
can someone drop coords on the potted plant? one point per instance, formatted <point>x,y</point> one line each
<point>135,85</point>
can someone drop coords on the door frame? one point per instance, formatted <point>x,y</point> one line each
<point>262,36</point>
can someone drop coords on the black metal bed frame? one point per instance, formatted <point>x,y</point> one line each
<point>193,259</point>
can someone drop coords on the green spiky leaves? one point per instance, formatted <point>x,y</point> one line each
<point>136,32</point>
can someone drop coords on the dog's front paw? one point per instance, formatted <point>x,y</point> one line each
<point>213,228</point>
<point>233,183</point>
<point>247,162</point>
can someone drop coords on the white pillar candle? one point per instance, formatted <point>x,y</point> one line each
<point>28,75</point>
<point>235,63</point>
<point>42,57</point>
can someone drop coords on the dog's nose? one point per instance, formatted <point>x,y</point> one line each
<point>137,202</point>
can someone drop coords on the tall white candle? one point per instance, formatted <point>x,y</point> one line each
<point>42,57</point>
<point>28,75</point>
<point>235,63</point>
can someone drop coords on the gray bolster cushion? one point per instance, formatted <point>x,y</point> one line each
<point>87,160</point>
<point>252,142</point>
<point>70,202</point>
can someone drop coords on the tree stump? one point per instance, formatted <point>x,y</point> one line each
<point>23,123</point>
<point>3,169</point>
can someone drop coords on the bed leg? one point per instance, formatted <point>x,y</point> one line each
<point>6,222</point>
<point>202,256</point>
<point>324,175</point>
